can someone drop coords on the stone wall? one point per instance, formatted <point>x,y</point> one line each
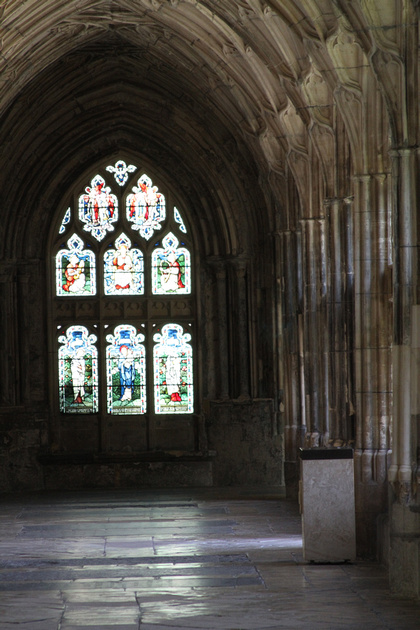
<point>247,443</point>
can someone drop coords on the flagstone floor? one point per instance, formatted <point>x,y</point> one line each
<point>181,559</point>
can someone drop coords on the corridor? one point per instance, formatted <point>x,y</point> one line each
<point>178,559</point>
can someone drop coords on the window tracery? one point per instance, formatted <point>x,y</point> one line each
<point>119,279</point>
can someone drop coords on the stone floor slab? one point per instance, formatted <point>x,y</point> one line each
<point>187,560</point>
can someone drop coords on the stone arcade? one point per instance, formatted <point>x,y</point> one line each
<point>287,134</point>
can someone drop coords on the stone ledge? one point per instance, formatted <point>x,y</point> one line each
<point>77,459</point>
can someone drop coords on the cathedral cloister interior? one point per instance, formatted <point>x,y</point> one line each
<point>283,136</point>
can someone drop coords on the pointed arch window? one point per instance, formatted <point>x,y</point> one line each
<point>124,341</point>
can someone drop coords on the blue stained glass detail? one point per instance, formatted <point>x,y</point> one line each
<point>65,221</point>
<point>126,372</point>
<point>178,219</point>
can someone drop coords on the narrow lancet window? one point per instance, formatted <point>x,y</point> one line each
<point>173,370</point>
<point>78,371</point>
<point>171,267</point>
<point>126,372</point>
<point>75,269</point>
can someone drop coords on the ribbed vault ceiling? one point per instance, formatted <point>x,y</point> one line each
<point>221,94</point>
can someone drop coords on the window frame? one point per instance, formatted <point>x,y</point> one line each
<point>101,313</point>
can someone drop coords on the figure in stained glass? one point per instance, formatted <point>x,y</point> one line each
<point>98,208</point>
<point>123,269</point>
<point>75,269</point>
<point>78,371</point>
<point>173,375</point>
<point>78,374</point>
<point>121,171</point>
<point>171,268</point>
<point>126,376</point>
<point>145,207</point>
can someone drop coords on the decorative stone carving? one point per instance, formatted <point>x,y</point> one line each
<point>349,59</point>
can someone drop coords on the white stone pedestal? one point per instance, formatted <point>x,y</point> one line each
<point>327,504</point>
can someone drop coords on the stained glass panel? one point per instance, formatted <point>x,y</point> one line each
<point>178,219</point>
<point>78,371</point>
<point>123,269</point>
<point>145,207</point>
<point>75,269</point>
<point>65,221</point>
<point>171,267</point>
<point>121,171</point>
<point>125,372</point>
<point>173,370</point>
<point>98,208</point>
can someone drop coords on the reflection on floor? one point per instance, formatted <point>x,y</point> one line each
<point>150,560</point>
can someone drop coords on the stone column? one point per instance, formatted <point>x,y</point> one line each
<point>373,323</point>
<point>9,366</point>
<point>222,324</point>
<point>405,286</point>
<point>291,354</point>
<point>341,317</point>
<point>316,330</point>
<point>239,328</point>
<point>404,499</point>
<point>216,330</point>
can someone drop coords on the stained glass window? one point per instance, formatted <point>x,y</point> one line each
<point>173,370</point>
<point>125,372</point>
<point>145,207</point>
<point>171,268</point>
<point>178,219</point>
<point>117,273</point>
<point>98,208</point>
<point>75,269</point>
<point>123,269</point>
<point>121,171</point>
<point>65,221</point>
<point>78,371</point>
